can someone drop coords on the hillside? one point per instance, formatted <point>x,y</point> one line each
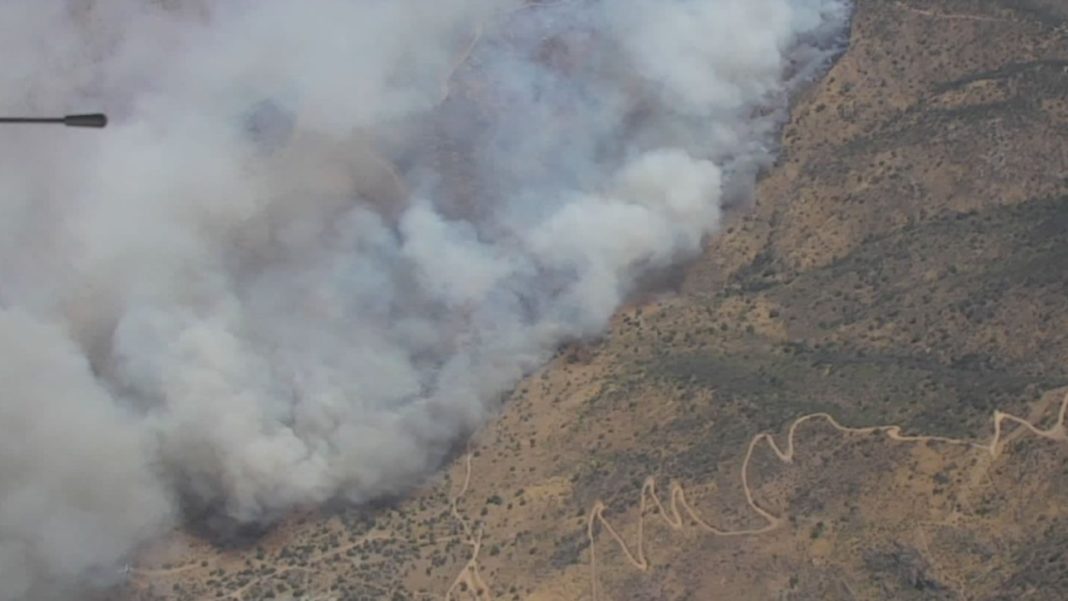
<point>905,263</point>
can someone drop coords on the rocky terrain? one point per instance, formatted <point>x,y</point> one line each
<point>904,264</point>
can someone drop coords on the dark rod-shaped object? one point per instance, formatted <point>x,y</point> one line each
<point>90,120</point>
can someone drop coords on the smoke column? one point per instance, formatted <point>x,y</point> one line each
<point>320,239</point>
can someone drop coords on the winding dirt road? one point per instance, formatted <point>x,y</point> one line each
<point>672,513</point>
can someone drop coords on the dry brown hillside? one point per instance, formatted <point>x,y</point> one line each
<point>905,263</point>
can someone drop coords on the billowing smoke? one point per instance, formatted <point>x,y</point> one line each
<point>320,239</point>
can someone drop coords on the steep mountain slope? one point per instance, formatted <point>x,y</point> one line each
<point>905,263</point>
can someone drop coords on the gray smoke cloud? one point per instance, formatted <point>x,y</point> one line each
<point>319,239</point>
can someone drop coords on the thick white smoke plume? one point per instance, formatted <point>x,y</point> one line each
<point>320,238</point>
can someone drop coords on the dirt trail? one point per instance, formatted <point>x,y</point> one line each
<point>152,572</point>
<point>239,593</point>
<point>469,579</point>
<point>934,14</point>
<point>677,497</point>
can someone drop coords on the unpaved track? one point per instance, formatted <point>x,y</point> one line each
<point>937,14</point>
<point>677,496</point>
<point>471,581</point>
